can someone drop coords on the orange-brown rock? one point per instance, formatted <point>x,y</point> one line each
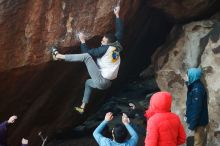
<point>29,27</point>
<point>42,93</point>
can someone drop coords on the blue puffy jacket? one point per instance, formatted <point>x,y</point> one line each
<point>196,104</point>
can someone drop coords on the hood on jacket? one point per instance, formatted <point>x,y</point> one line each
<point>193,74</point>
<point>117,45</point>
<point>160,102</point>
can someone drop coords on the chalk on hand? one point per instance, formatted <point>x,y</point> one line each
<point>77,33</point>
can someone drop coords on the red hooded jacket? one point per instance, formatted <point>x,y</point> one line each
<point>163,127</point>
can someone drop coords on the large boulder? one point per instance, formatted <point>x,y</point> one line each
<point>186,9</point>
<point>35,24</point>
<point>29,27</point>
<point>42,93</point>
<point>193,45</point>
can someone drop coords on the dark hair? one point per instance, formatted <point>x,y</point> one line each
<point>120,133</point>
<point>111,37</point>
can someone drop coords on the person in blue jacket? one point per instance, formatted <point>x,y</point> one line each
<point>3,131</point>
<point>196,106</point>
<point>105,67</point>
<point>119,133</point>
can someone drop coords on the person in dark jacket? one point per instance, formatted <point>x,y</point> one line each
<point>196,106</point>
<point>107,56</point>
<point>3,132</point>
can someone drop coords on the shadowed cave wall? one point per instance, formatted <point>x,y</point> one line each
<point>42,92</point>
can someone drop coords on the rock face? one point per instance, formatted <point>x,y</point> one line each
<point>34,25</point>
<point>193,45</point>
<point>187,9</point>
<point>42,93</point>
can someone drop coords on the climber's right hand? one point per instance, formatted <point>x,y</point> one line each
<point>82,37</point>
<point>116,11</point>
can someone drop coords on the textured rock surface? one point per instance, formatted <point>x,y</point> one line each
<point>82,134</point>
<point>192,45</point>
<point>186,9</point>
<point>34,25</point>
<point>43,93</point>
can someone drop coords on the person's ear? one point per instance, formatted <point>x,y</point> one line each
<point>113,134</point>
<point>107,41</point>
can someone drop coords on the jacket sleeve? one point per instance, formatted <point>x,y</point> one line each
<point>97,133</point>
<point>181,135</point>
<point>94,52</point>
<point>134,137</point>
<point>3,126</point>
<point>119,29</point>
<point>152,134</point>
<point>3,130</point>
<point>197,101</point>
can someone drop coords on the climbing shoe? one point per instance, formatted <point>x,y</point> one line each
<point>79,109</point>
<point>54,52</point>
